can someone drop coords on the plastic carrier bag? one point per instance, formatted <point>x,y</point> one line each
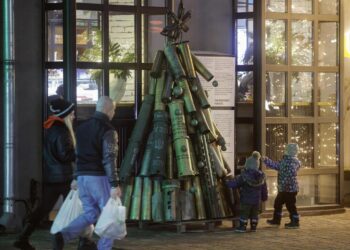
<point>70,210</point>
<point>111,223</point>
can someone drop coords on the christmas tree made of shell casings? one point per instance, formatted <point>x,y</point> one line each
<point>173,166</point>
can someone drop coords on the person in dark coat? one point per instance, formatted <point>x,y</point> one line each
<point>253,189</point>
<point>59,155</point>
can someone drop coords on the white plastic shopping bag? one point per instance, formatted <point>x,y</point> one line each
<point>70,209</point>
<point>111,223</point>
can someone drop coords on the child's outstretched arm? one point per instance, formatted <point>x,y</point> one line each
<point>235,183</point>
<point>271,164</point>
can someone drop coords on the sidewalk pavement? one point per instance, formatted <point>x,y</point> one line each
<point>316,232</point>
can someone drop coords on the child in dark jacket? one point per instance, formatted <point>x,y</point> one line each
<point>252,185</point>
<point>287,185</point>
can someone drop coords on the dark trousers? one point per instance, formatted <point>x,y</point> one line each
<point>289,198</point>
<point>247,211</point>
<point>51,192</point>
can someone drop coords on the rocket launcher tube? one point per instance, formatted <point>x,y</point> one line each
<point>146,199</point>
<point>185,54</point>
<point>157,65</point>
<point>200,93</point>
<point>137,136</point>
<point>174,62</point>
<point>136,199</point>
<point>201,69</point>
<point>187,96</point>
<point>158,104</point>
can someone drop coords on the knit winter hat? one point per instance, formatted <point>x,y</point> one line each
<point>292,149</point>
<point>61,108</point>
<point>253,161</point>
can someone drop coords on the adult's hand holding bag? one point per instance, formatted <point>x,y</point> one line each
<point>111,223</point>
<point>70,209</point>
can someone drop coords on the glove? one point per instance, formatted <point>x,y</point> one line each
<point>116,192</point>
<point>74,185</point>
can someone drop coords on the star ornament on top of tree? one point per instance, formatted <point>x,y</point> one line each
<point>178,23</point>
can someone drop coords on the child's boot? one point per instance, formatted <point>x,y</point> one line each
<point>276,220</point>
<point>242,228</point>
<point>253,224</point>
<point>294,222</point>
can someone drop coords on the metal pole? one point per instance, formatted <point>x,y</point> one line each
<point>9,104</point>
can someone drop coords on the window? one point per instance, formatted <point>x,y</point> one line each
<point>102,47</point>
<point>301,68</point>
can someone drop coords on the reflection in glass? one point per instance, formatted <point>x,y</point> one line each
<point>275,104</point>
<point>245,139</point>
<point>327,186</point>
<point>328,44</point>
<point>303,134</point>
<point>245,82</point>
<point>89,85</point>
<point>245,45</point>
<point>245,5</point>
<point>154,3</point>
<point>122,89</point>
<point>54,80</point>
<point>154,25</point>
<point>89,1</point>
<point>54,36</point>
<point>327,94</point>
<point>54,1</point>
<point>327,145</point>
<point>314,190</point>
<point>122,2</point>
<point>276,140</point>
<point>122,37</point>
<point>302,52</point>
<point>88,39</point>
<point>276,6</point>
<point>328,7</point>
<point>302,94</point>
<point>146,78</point>
<point>302,6</point>
<point>275,41</point>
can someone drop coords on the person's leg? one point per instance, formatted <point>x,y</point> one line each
<point>292,209</point>
<point>102,197</point>
<point>254,217</point>
<point>87,188</point>
<point>244,213</point>
<point>277,213</point>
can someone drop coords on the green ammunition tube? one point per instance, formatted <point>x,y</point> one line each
<point>146,199</point>
<point>200,207</point>
<point>174,62</point>
<point>170,160</point>
<point>152,86</point>
<point>160,143</point>
<point>190,128</point>
<point>188,208</point>
<point>201,69</point>
<point>185,54</point>
<point>157,202</point>
<point>136,199</point>
<point>200,93</point>
<point>177,118</point>
<point>187,96</point>
<point>220,139</point>
<point>157,65</point>
<point>170,189</point>
<point>137,136</point>
<point>217,162</point>
<point>158,104</point>
<point>146,161</point>
<point>127,193</point>
<point>166,95</point>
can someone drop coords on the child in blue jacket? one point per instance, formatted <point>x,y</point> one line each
<point>252,185</point>
<point>287,186</point>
